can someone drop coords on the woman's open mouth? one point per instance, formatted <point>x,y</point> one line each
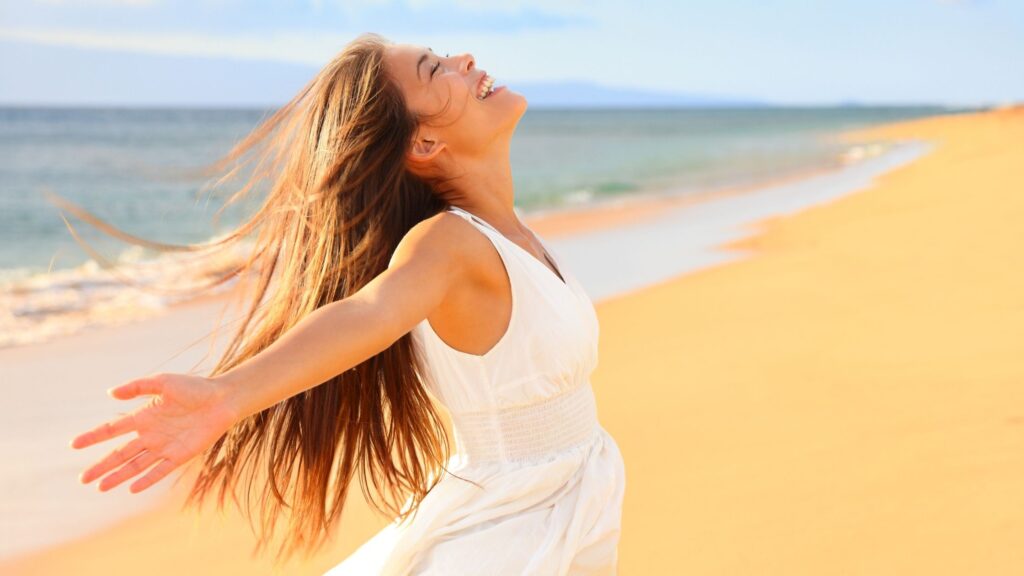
<point>486,88</point>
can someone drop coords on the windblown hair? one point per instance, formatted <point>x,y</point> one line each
<point>340,201</point>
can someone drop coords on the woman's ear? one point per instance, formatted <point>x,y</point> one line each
<point>426,149</point>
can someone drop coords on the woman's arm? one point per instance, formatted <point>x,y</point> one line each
<point>428,261</point>
<point>186,414</point>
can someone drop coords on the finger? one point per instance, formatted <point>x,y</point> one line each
<point>139,386</point>
<point>155,475</point>
<point>113,460</point>
<point>106,431</point>
<point>139,464</point>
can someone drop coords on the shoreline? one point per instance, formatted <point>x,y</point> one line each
<point>552,222</point>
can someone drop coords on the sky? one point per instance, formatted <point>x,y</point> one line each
<point>952,52</point>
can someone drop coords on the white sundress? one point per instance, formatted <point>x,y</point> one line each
<point>525,426</point>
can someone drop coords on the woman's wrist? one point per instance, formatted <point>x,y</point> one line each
<point>231,396</point>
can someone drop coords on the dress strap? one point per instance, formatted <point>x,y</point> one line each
<point>556,273</point>
<point>511,272</point>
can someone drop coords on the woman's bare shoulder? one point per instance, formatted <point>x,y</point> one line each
<point>447,240</point>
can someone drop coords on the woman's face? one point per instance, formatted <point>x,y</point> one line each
<point>471,126</point>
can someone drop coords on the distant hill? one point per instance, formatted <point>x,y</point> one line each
<point>591,95</point>
<point>61,76</point>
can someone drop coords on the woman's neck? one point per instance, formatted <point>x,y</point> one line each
<point>486,189</point>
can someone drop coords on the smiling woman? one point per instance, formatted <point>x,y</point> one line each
<point>393,277</point>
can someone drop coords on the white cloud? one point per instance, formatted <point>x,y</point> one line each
<point>297,47</point>
<point>510,57</point>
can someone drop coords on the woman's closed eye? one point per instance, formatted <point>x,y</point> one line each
<point>436,66</point>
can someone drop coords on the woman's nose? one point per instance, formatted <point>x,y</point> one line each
<point>466,62</point>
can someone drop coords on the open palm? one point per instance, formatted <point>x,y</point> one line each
<point>186,415</point>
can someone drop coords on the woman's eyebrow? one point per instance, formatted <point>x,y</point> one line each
<point>419,63</point>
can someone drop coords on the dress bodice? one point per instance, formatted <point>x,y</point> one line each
<point>550,345</point>
<point>549,348</point>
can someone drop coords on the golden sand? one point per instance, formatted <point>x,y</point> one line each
<point>849,400</point>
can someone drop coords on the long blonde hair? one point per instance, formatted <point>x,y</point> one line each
<point>341,198</point>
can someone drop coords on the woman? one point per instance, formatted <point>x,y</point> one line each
<point>399,274</point>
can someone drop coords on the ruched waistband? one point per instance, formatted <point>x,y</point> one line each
<point>524,432</point>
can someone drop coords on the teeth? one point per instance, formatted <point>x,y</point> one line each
<point>485,87</point>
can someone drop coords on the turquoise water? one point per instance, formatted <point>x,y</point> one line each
<point>121,163</point>
<point>128,166</point>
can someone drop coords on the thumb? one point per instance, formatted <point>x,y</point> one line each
<point>137,387</point>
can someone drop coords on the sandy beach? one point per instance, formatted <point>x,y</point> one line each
<point>848,400</point>
<point>845,400</point>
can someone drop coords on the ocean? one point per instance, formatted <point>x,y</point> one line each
<point>129,166</point>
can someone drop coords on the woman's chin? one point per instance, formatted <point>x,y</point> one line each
<point>521,98</point>
<point>503,92</point>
